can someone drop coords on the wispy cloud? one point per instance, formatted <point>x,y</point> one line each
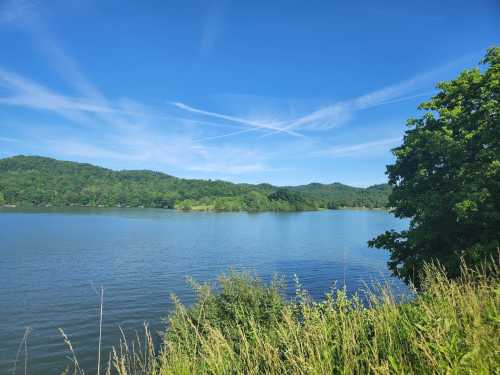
<point>255,125</point>
<point>231,160</point>
<point>133,133</point>
<point>339,113</point>
<point>359,148</point>
<point>74,147</point>
<point>126,135</point>
<point>26,16</point>
<point>336,114</point>
<point>324,118</point>
<point>129,131</point>
<point>23,92</point>
<point>26,93</point>
<point>157,150</point>
<point>226,135</point>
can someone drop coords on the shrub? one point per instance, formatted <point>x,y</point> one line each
<point>244,326</point>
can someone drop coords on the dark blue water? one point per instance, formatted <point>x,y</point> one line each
<point>52,262</point>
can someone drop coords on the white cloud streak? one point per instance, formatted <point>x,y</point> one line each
<point>339,113</point>
<point>253,124</point>
<point>131,141</point>
<point>26,93</point>
<point>336,114</point>
<point>359,148</point>
<point>154,149</point>
<point>127,134</point>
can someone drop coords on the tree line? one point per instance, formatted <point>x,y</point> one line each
<point>41,181</point>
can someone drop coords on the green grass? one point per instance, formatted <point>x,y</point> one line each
<point>247,327</point>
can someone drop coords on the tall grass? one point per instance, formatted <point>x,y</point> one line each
<point>246,327</point>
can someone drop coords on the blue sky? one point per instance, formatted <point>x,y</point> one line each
<point>287,92</point>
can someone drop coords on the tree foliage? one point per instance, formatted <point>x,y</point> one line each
<point>446,177</point>
<point>39,181</point>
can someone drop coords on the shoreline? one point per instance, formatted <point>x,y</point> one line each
<point>194,209</point>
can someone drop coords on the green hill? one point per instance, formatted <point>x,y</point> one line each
<point>39,181</point>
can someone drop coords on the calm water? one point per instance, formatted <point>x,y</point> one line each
<point>51,262</point>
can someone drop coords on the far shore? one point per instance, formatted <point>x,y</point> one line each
<point>193,209</point>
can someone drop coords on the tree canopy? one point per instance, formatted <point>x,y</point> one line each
<point>40,181</point>
<point>446,177</point>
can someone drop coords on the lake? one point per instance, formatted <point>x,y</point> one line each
<point>53,262</point>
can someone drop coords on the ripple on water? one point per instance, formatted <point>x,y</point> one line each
<point>52,264</point>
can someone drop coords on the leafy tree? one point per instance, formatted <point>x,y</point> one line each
<point>284,195</point>
<point>288,200</point>
<point>185,205</point>
<point>2,199</point>
<point>446,177</point>
<point>255,202</point>
<point>228,204</point>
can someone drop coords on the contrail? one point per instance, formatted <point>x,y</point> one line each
<point>258,125</point>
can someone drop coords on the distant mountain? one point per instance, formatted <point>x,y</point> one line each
<point>40,181</point>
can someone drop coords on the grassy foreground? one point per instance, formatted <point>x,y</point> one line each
<point>247,327</point>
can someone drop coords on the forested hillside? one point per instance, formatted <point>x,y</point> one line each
<point>34,180</point>
<point>338,195</point>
